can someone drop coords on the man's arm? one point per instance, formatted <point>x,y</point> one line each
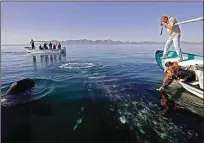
<point>166,82</point>
<point>167,26</point>
<point>171,23</point>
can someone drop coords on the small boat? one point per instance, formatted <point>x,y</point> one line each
<point>45,51</point>
<point>188,60</point>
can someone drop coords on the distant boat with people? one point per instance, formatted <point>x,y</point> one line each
<point>48,47</point>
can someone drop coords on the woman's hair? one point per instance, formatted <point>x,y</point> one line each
<point>167,64</point>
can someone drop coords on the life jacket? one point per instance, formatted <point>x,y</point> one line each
<point>173,69</point>
<point>171,72</point>
<point>168,77</point>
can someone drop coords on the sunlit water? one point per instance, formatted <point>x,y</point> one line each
<point>93,93</point>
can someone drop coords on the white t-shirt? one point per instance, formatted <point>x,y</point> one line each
<point>176,30</point>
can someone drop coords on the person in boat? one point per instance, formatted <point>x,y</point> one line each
<point>174,71</point>
<point>40,47</point>
<point>59,46</point>
<point>32,44</point>
<point>54,46</point>
<point>174,36</point>
<point>45,46</point>
<point>50,45</point>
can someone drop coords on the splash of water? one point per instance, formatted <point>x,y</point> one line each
<point>77,65</point>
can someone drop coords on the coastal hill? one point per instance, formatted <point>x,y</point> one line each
<point>108,41</point>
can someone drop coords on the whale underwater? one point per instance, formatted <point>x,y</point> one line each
<point>17,113</point>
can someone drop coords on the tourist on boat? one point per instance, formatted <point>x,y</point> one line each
<point>174,71</point>
<point>40,47</point>
<point>32,44</point>
<point>54,46</point>
<point>174,36</point>
<point>45,46</point>
<point>59,46</point>
<point>50,45</point>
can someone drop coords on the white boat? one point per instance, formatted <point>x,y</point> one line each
<point>189,60</point>
<point>190,88</point>
<point>36,50</point>
<point>196,88</point>
<point>46,51</point>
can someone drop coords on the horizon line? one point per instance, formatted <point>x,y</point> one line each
<point>122,42</point>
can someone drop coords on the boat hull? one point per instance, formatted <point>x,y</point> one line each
<point>189,59</point>
<point>47,51</point>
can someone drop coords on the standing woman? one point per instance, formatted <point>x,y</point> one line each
<point>174,36</point>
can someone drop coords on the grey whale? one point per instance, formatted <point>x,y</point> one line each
<point>19,92</point>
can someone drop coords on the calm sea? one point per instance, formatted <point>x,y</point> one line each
<point>94,93</point>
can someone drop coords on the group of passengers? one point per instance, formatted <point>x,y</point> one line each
<point>46,46</point>
<point>50,46</point>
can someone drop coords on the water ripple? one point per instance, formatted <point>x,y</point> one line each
<point>77,65</point>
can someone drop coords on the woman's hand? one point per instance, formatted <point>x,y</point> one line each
<point>160,89</point>
<point>164,23</point>
<point>181,80</point>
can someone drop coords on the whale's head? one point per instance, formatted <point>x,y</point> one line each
<point>21,86</point>
<point>19,91</point>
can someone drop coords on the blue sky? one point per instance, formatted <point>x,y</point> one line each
<point>125,21</point>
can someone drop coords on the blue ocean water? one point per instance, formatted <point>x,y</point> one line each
<point>93,93</point>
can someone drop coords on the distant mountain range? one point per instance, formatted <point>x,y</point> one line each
<point>108,41</point>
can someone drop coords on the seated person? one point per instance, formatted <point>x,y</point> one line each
<point>45,46</point>
<point>59,46</point>
<point>50,45</point>
<point>40,47</point>
<point>174,71</point>
<point>54,46</point>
